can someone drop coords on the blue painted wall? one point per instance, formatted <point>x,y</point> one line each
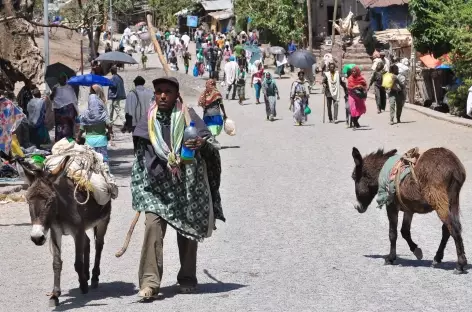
<point>395,16</point>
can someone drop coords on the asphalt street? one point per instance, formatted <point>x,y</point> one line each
<point>291,242</point>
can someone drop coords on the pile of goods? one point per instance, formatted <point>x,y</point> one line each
<point>86,168</point>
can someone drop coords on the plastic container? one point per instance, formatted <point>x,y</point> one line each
<point>190,133</point>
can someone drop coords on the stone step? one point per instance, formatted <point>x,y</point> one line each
<point>356,55</point>
<point>358,61</point>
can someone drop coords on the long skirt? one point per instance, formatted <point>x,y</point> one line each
<point>298,110</point>
<point>65,122</point>
<point>357,105</point>
<point>39,135</point>
<point>214,124</point>
<point>270,102</point>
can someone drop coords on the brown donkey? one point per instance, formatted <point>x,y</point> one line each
<point>52,206</point>
<point>439,178</point>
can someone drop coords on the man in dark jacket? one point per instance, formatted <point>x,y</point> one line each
<point>170,192</point>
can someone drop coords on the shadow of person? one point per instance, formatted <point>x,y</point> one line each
<point>105,290</point>
<point>218,287</point>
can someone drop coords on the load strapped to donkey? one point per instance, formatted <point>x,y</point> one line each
<point>85,168</point>
<point>394,171</point>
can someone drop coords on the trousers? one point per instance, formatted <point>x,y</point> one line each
<point>228,90</point>
<point>115,105</point>
<point>151,264</point>
<point>396,104</point>
<point>380,98</point>
<point>331,102</point>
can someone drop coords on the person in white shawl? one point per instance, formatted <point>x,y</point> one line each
<point>231,69</point>
<point>331,86</point>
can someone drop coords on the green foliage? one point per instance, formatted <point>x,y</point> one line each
<point>283,19</point>
<point>443,26</point>
<point>165,10</point>
<point>429,33</point>
<point>457,100</point>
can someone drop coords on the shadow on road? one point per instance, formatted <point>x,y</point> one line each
<point>121,161</point>
<point>448,265</point>
<point>16,224</point>
<point>104,291</point>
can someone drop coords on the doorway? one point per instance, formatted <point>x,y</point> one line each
<point>330,12</point>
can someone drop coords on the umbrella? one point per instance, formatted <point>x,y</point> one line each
<point>444,66</point>
<point>302,59</point>
<point>116,57</point>
<point>89,80</point>
<point>140,24</point>
<point>53,72</point>
<point>276,50</point>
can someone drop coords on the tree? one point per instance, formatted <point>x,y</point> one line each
<point>443,27</point>
<point>164,10</point>
<point>282,19</point>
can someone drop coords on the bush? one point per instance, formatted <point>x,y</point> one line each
<point>457,99</point>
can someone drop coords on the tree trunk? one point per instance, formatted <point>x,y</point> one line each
<point>310,27</point>
<point>20,57</point>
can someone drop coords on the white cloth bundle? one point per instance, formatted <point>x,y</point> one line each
<point>87,164</point>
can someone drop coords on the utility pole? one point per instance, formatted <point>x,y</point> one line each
<point>412,78</point>
<point>310,27</point>
<point>110,21</point>
<point>46,38</point>
<point>334,21</point>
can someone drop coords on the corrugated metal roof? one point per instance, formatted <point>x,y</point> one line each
<point>221,15</point>
<point>381,3</point>
<point>217,5</point>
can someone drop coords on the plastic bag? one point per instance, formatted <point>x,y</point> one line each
<point>195,71</point>
<point>230,127</point>
<point>307,110</point>
<point>387,80</point>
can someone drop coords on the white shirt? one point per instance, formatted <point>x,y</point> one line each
<point>65,95</point>
<point>186,40</point>
<point>172,39</point>
<point>135,108</point>
<point>127,31</point>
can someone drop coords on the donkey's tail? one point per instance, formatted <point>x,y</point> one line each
<point>455,185</point>
<point>128,236</point>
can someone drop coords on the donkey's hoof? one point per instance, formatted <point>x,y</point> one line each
<point>460,271</point>
<point>389,261</point>
<point>418,253</point>
<point>436,264</point>
<point>94,284</point>
<point>53,302</point>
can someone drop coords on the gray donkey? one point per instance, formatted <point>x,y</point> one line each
<point>53,207</point>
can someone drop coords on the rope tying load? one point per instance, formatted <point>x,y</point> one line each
<point>86,169</point>
<point>409,159</point>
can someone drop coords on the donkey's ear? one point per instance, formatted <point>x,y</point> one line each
<point>30,172</point>
<point>391,153</point>
<point>357,156</point>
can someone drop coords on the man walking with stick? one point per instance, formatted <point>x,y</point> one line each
<point>332,92</point>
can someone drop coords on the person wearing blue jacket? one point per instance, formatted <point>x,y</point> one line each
<point>116,94</point>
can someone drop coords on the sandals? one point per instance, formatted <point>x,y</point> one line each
<point>187,289</point>
<point>148,293</point>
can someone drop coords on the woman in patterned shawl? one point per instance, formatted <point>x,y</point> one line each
<point>184,196</point>
<point>212,103</point>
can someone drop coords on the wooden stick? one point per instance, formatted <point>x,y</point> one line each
<point>324,106</point>
<point>128,236</point>
<point>165,66</point>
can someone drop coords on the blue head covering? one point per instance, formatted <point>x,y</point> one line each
<point>232,58</point>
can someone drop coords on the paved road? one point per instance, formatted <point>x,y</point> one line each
<point>291,241</point>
